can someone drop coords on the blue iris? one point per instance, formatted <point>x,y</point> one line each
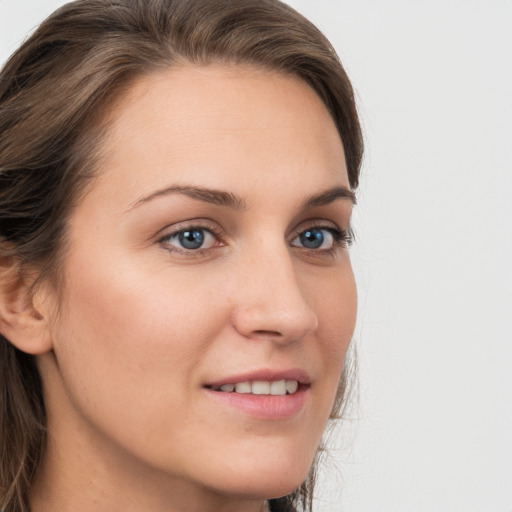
<point>191,239</point>
<point>312,238</point>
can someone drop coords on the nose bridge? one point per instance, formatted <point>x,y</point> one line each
<point>272,302</point>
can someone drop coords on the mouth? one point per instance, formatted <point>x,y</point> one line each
<point>261,387</point>
<point>267,395</point>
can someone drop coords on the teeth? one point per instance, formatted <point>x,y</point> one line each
<point>291,386</point>
<point>278,387</point>
<point>262,387</point>
<point>243,387</point>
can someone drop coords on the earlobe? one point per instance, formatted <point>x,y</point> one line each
<point>24,325</point>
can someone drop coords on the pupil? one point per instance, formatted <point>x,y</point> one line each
<point>312,238</point>
<point>192,239</point>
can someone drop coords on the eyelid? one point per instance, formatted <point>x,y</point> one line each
<point>342,237</point>
<point>319,224</point>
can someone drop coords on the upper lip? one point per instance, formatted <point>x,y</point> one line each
<point>267,374</point>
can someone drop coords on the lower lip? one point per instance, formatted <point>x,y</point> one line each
<point>268,407</point>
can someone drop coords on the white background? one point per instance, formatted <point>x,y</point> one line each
<point>433,428</point>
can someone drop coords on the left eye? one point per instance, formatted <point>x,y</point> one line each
<point>191,239</point>
<point>314,238</point>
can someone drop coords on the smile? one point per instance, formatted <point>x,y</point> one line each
<point>260,387</point>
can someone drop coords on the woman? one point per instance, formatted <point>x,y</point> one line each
<point>176,295</point>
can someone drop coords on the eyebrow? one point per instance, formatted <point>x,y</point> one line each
<point>208,195</point>
<point>230,200</point>
<point>328,196</point>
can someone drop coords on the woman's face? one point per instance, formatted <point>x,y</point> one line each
<point>210,251</point>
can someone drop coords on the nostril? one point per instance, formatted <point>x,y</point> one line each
<point>268,333</point>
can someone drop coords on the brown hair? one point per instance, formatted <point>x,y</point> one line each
<point>54,93</point>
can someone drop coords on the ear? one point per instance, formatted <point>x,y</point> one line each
<point>20,321</point>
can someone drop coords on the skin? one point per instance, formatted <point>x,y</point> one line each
<point>141,324</point>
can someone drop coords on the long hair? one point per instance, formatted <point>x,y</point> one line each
<point>55,93</point>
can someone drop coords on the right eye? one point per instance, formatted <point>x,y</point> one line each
<point>192,238</point>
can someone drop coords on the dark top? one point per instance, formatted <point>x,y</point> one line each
<point>280,505</point>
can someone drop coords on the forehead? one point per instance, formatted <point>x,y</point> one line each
<point>224,125</point>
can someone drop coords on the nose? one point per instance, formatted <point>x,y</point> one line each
<point>270,301</point>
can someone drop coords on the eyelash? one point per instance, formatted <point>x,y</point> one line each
<point>341,238</point>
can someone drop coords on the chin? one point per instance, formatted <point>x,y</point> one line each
<point>264,488</point>
<point>272,479</point>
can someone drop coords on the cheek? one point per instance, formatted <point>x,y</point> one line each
<point>127,353</point>
<point>336,306</point>
<point>122,301</point>
<point>129,337</point>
